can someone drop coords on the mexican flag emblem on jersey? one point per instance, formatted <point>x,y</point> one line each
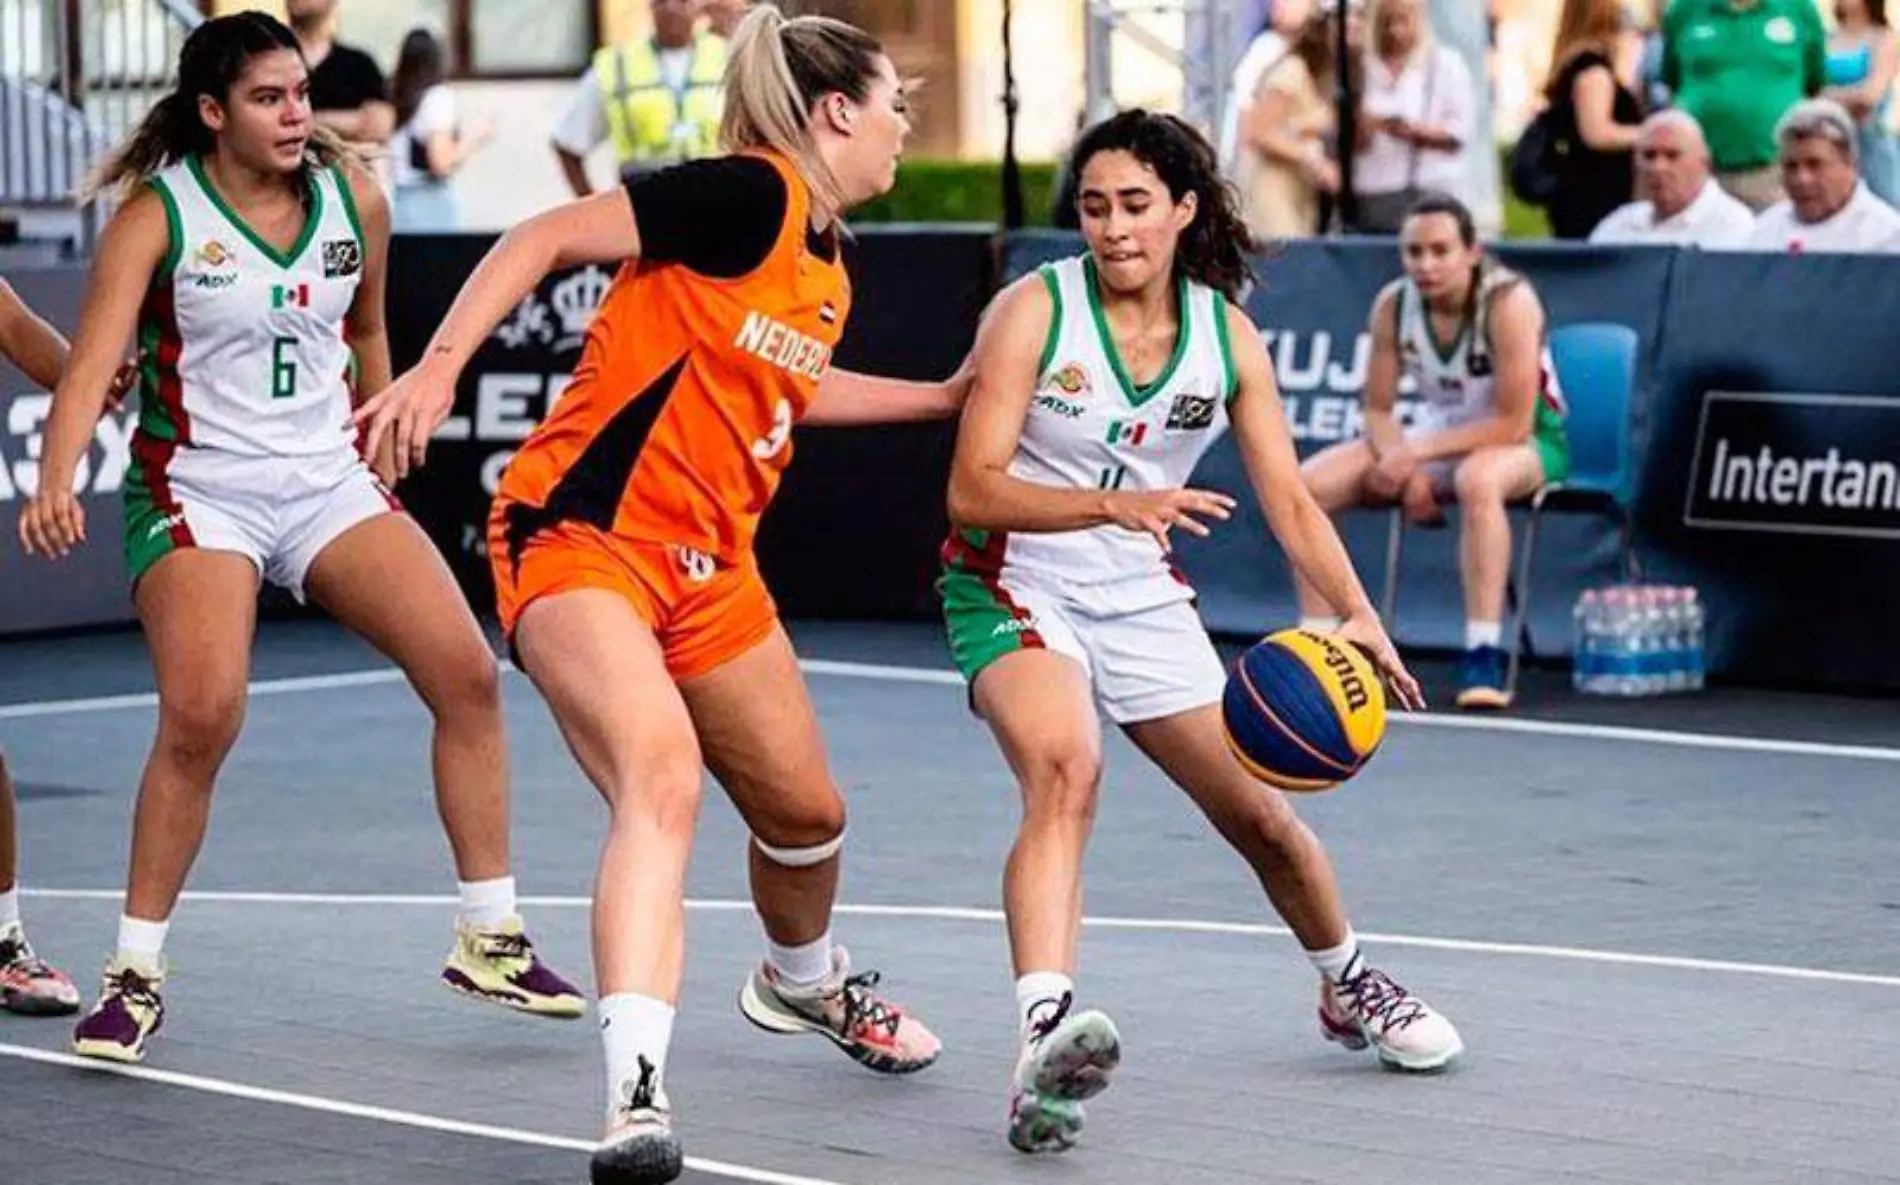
<point>1128,433</point>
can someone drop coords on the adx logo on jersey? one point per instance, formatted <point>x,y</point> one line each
<point>1062,392</point>
<point>216,257</point>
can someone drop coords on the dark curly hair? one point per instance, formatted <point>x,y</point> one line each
<point>1213,249</point>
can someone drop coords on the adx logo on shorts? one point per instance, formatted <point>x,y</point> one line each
<point>342,257</point>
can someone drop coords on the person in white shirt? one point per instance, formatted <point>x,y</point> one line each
<point>1828,208</point>
<point>430,144</point>
<point>1682,202</point>
<point>1420,109</point>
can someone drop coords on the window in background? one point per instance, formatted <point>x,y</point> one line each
<point>377,27</point>
<point>513,38</point>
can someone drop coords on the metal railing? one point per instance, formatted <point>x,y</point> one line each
<point>75,77</point>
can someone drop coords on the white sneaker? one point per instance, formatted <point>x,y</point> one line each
<point>1066,1060</point>
<point>640,1148</point>
<point>1371,1008</point>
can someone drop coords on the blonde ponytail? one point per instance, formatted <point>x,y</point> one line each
<point>775,71</point>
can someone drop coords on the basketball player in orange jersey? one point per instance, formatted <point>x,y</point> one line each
<point>622,537</point>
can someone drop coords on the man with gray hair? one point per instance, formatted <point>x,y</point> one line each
<point>1829,208</point>
<point>1682,203</point>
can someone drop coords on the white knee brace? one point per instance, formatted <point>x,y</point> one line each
<point>800,857</point>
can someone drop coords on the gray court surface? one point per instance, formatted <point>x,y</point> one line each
<point>1674,958</point>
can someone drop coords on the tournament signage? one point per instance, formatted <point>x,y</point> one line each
<point>89,585</point>
<point>1800,464</point>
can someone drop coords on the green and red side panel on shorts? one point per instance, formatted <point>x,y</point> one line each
<point>154,521</point>
<point>984,621</point>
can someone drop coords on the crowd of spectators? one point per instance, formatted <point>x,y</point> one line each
<point>1740,124</point>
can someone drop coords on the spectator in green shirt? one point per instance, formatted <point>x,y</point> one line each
<point>1738,66</point>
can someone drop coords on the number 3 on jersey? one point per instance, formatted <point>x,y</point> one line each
<point>283,371</point>
<point>769,446</point>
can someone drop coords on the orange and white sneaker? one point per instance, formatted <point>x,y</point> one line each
<point>1370,1008</point>
<point>29,985</point>
<point>870,1029</point>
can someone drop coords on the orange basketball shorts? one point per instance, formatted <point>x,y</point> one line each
<point>703,614</point>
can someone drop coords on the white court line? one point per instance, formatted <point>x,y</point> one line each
<point>454,1127</point>
<point>958,913</point>
<point>938,677</point>
<point>147,699</point>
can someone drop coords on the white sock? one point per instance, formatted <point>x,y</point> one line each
<point>141,941</point>
<point>488,903</point>
<point>1321,625</point>
<point>1483,633</point>
<point>9,907</point>
<point>1338,963</point>
<point>633,1027</point>
<point>1038,995</point>
<point>803,966</point>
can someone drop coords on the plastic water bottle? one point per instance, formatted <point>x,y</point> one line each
<point>1586,648</point>
<point>1678,639</point>
<point>1651,658</point>
<point>1692,618</point>
<point>1620,613</point>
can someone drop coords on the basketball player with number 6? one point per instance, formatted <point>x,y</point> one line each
<point>249,257</point>
<point>1101,380</point>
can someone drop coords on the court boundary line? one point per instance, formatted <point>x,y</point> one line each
<point>938,677</point>
<point>959,913</point>
<point>365,1111</point>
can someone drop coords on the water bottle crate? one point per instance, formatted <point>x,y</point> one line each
<point>1633,640</point>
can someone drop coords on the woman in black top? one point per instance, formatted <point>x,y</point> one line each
<point>1596,118</point>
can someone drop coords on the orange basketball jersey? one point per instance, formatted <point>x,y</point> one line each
<point>677,426</point>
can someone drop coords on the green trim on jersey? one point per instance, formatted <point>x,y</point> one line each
<point>1054,286</point>
<point>1226,347</point>
<point>982,625</point>
<point>349,205</point>
<point>1448,352</point>
<point>1137,396</point>
<point>174,230</point>
<point>283,260</point>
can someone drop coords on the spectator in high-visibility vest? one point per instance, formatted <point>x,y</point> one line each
<point>658,100</point>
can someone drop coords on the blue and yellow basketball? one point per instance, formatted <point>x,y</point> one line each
<point>1304,710</point>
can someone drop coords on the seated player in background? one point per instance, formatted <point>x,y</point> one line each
<point>1100,383</point>
<point>1470,334</point>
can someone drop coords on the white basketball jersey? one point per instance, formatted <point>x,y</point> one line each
<point>1458,384</point>
<point>244,344</point>
<point>1090,427</point>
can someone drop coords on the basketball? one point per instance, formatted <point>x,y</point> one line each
<point>1303,710</point>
